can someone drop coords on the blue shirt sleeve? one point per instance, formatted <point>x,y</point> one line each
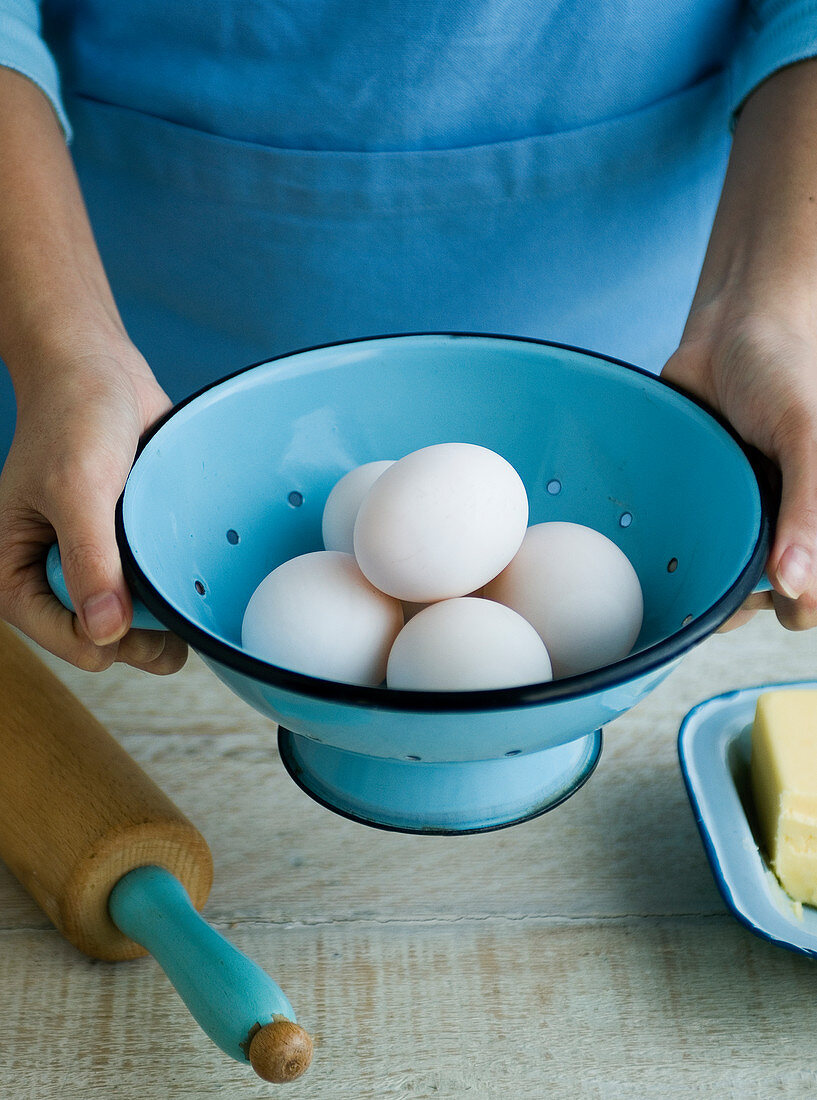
<point>775,33</point>
<point>22,49</point>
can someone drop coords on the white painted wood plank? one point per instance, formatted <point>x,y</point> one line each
<point>494,1009</point>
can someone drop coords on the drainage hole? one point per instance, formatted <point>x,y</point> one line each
<point>414,758</point>
<point>625,519</point>
<point>687,620</point>
<point>295,498</point>
<point>554,487</point>
<point>199,586</point>
<point>232,537</point>
<point>513,752</point>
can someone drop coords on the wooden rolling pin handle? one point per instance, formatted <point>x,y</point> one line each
<point>233,1000</point>
<point>76,812</point>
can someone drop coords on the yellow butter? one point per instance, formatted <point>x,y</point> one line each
<point>783,773</point>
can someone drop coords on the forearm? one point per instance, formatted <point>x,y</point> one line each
<point>764,238</point>
<point>53,290</point>
<point>84,397</point>
<point>749,348</point>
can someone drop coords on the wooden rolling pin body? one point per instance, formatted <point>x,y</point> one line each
<point>76,812</point>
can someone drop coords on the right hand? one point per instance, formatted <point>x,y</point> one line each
<point>79,421</point>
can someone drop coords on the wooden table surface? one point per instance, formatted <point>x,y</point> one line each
<point>584,954</point>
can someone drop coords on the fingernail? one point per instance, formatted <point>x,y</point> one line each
<point>104,617</point>
<point>794,571</point>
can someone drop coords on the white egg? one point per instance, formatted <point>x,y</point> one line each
<point>342,504</point>
<point>467,644</point>
<point>319,615</point>
<point>579,590</point>
<point>440,522</point>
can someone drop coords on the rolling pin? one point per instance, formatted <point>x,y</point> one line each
<point>118,869</point>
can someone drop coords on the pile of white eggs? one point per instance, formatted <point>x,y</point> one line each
<point>431,580</point>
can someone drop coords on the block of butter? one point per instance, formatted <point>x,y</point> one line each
<point>783,773</point>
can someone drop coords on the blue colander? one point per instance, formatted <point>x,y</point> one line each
<point>233,482</point>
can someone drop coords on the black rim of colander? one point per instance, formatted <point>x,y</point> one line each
<point>628,669</point>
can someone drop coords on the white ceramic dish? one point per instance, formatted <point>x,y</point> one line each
<point>714,749</point>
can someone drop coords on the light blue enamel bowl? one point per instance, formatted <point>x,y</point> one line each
<point>233,482</point>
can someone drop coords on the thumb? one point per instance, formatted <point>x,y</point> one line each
<point>92,568</point>
<point>792,566</point>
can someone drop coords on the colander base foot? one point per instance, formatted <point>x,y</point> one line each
<point>413,796</point>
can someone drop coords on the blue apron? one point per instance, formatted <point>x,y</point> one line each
<point>236,223</point>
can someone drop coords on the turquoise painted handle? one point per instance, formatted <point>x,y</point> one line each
<point>142,618</point>
<point>227,993</point>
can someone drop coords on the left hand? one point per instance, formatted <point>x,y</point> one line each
<point>760,372</point>
<point>749,348</point>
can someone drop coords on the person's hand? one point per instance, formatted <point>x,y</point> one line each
<point>749,348</point>
<point>80,417</point>
<point>84,397</point>
<point>760,372</point>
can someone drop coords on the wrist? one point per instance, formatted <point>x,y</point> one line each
<point>755,269</point>
<point>752,303</point>
<point>86,357</point>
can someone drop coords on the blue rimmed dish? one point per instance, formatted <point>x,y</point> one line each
<point>714,747</point>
